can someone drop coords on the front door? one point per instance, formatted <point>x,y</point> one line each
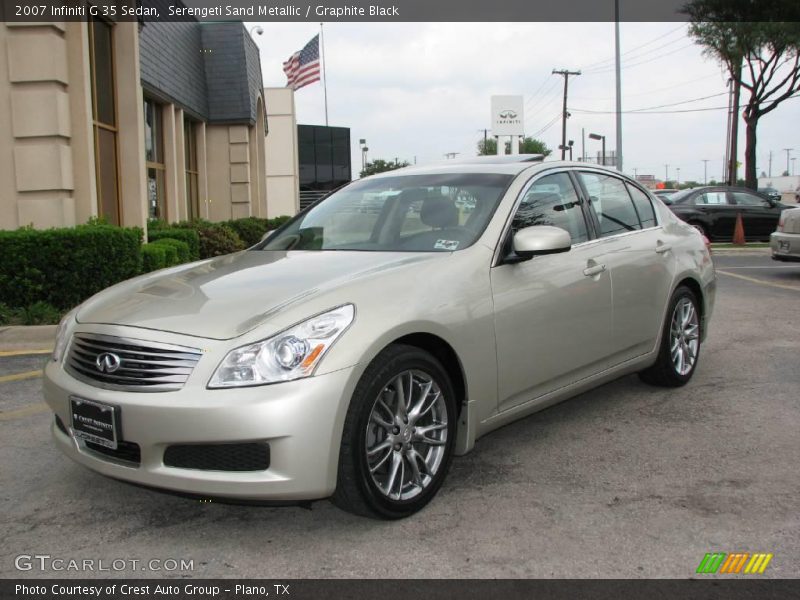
<point>552,313</point>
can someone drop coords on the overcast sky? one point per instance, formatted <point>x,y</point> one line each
<point>422,90</point>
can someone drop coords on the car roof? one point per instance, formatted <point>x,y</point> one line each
<point>503,165</point>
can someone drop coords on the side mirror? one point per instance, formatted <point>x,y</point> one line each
<point>539,239</point>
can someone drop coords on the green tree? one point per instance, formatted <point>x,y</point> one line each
<point>379,166</point>
<point>528,145</point>
<point>759,44</point>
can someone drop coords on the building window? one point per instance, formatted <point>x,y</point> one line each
<point>104,119</point>
<point>154,157</point>
<point>192,173</point>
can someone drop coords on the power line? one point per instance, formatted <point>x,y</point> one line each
<point>660,112</point>
<point>644,62</point>
<point>633,110</point>
<point>548,126</point>
<point>635,48</point>
<point>638,56</point>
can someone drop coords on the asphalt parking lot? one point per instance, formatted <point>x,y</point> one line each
<point>623,481</point>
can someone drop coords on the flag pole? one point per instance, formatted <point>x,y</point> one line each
<point>324,67</point>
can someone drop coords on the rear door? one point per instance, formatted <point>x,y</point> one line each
<point>552,313</point>
<point>718,212</point>
<point>759,215</point>
<point>638,255</point>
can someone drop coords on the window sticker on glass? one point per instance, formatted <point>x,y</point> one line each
<point>445,245</point>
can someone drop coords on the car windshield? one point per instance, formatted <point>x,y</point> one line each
<point>411,213</point>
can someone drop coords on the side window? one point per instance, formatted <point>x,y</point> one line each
<point>610,200</point>
<point>745,199</point>
<point>647,215</point>
<point>713,198</point>
<point>552,200</point>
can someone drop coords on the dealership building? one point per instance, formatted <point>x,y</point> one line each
<point>129,121</point>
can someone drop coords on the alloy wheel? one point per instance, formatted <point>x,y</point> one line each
<point>684,336</point>
<point>406,435</point>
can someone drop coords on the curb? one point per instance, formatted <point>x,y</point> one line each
<point>31,337</point>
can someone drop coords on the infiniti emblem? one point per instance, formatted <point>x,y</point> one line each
<point>107,362</point>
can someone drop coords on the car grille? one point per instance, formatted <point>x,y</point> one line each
<point>139,366</point>
<point>126,451</point>
<point>219,457</point>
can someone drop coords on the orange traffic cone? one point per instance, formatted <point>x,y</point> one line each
<point>738,231</point>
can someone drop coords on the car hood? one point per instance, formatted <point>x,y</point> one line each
<point>230,295</point>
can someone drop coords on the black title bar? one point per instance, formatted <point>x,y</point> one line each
<point>345,10</point>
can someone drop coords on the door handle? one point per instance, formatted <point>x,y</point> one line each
<point>661,248</point>
<point>594,270</point>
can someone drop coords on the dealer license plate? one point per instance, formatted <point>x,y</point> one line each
<point>94,421</point>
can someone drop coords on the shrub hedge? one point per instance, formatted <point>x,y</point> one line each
<point>44,272</point>
<point>63,267</point>
<point>189,236</point>
<point>183,255</point>
<point>252,229</point>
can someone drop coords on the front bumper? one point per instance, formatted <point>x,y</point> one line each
<point>785,246</point>
<point>300,420</point>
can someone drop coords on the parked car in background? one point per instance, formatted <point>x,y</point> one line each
<point>352,354</point>
<point>713,212</point>
<point>770,192</point>
<point>665,194</point>
<point>785,241</point>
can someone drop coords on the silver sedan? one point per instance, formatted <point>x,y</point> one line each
<point>351,354</point>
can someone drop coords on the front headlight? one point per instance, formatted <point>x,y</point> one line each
<point>61,333</point>
<point>291,354</point>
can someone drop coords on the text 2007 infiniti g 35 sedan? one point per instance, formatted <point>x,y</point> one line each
<point>356,350</point>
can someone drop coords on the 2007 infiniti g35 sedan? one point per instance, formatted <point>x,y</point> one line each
<point>353,352</point>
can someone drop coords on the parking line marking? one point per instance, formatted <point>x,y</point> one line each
<point>25,352</point>
<point>21,376</point>
<point>782,286</point>
<point>28,411</point>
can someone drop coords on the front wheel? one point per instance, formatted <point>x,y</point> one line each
<point>680,342</point>
<point>398,435</point>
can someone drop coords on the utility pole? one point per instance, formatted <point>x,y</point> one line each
<point>787,150</point>
<point>565,73</point>
<point>619,87</point>
<point>705,171</point>
<point>666,173</point>
<point>635,173</point>
<point>734,167</point>
<point>769,172</point>
<point>679,176</point>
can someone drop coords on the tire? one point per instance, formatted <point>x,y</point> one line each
<point>365,484</point>
<point>681,331</point>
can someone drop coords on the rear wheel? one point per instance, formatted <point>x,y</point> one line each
<point>398,435</point>
<point>680,342</point>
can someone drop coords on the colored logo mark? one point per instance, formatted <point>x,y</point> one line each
<point>734,563</point>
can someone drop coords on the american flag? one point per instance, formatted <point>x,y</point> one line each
<point>302,67</point>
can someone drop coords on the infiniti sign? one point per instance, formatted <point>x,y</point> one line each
<point>107,362</point>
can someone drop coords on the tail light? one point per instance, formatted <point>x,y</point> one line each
<point>707,242</point>
<point>781,221</point>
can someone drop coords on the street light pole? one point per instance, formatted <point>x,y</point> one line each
<point>597,136</point>
<point>679,176</point>
<point>666,173</point>
<point>705,171</point>
<point>787,150</point>
<point>619,87</point>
